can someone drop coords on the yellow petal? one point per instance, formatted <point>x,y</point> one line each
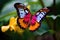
<point>4,28</point>
<point>19,30</point>
<point>12,21</point>
<point>28,6</point>
<point>11,28</point>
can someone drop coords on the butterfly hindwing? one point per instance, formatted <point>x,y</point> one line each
<point>23,15</point>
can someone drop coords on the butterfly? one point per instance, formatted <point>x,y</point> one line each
<point>26,19</point>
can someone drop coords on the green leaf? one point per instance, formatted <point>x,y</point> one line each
<point>43,28</point>
<point>7,16</point>
<point>58,24</point>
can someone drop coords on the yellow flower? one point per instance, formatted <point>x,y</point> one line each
<point>4,28</point>
<point>12,26</point>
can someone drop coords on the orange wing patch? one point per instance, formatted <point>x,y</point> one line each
<point>34,27</point>
<point>21,22</point>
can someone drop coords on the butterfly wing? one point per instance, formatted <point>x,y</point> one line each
<point>36,19</point>
<point>23,15</point>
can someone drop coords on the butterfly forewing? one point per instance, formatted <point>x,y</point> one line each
<point>40,16</point>
<point>36,19</point>
<point>23,15</point>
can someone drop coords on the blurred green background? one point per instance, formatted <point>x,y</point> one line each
<point>50,27</point>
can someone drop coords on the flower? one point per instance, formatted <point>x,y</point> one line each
<point>12,26</point>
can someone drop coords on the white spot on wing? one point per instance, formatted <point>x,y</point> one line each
<point>26,11</point>
<point>22,13</point>
<point>37,13</point>
<point>40,16</point>
<point>43,13</point>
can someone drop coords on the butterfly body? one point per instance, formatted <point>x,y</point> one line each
<point>25,18</point>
